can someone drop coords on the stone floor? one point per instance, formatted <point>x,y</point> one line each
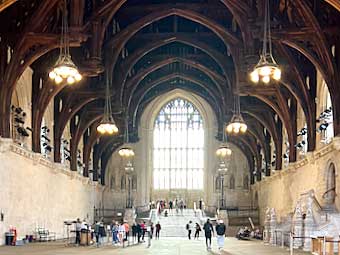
<point>166,246</point>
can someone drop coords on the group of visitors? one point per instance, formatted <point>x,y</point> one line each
<point>208,228</point>
<point>120,232</point>
<point>97,230</point>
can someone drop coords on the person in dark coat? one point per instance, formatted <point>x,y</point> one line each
<point>208,231</point>
<point>139,232</point>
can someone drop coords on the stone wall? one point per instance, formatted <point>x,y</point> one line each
<point>35,192</point>
<point>282,190</point>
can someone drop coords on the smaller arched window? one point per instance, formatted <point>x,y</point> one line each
<point>232,182</point>
<point>246,182</point>
<point>217,183</point>
<point>112,182</point>
<point>123,183</point>
<point>134,182</point>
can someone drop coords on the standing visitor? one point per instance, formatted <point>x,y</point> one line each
<point>151,229</point>
<point>143,226</point>
<point>170,205</point>
<point>121,233</point>
<point>114,231</point>
<point>189,227</point>
<point>139,231</point>
<point>208,231</point>
<point>78,230</point>
<point>97,233</point>
<point>201,204</point>
<point>197,231</point>
<point>220,232</point>
<point>134,232</point>
<point>127,230</point>
<point>158,229</point>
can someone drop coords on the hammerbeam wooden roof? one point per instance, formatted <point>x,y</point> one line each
<point>150,47</point>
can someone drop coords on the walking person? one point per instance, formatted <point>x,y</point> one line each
<point>189,228</point>
<point>221,233</point>
<point>158,229</point>
<point>208,231</point>
<point>197,231</point>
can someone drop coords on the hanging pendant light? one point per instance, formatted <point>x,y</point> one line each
<point>107,125</point>
<point>64,68</point>
<point>223,151</point>
<point>127,151</point>
<point>266,69</point>
<point>237,124</point>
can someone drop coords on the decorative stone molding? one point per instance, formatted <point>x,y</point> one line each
<point>5,144</point>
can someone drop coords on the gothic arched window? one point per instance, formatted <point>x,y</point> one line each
<point>178,147</point>
<point>232,182</point>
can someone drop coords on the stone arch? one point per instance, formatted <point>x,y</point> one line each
<point>330,184</point>
<point>145,129</point>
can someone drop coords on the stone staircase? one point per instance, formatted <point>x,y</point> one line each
<point>175,224</point>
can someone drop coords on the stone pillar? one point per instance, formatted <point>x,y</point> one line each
<point>273,223</point>
<point>297,226</point>
<point>266,226</point>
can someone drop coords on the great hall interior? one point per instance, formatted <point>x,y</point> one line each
<point>169,111</point>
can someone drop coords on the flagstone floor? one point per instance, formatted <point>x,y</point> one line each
<point>165,246</point>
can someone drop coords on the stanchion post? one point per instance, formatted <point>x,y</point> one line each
<point>282,239</point>
<point>291,243</point>
<point>324,246</point>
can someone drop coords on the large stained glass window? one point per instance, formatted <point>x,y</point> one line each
<point>178,147</point>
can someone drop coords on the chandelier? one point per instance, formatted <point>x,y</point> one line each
<point>127,151</point>
<point>64,68</point>
<point>237,124</point>
<point>107,126</point>
<point>224,150</point>
<point>267,68</point>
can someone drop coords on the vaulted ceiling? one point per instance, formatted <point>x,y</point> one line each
<point>150,47</point>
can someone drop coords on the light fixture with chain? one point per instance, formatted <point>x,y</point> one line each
<point>267,68</point>
<point>64,68</point>
<point>126,151</point>
<point>237,124</point>
<point>223,151</point>
<point>107,126</point>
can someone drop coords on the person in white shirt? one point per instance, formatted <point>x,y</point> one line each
<point>190,227</point>
<point>121,233</point>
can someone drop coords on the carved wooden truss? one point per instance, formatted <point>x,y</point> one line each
<point>151,47</point>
